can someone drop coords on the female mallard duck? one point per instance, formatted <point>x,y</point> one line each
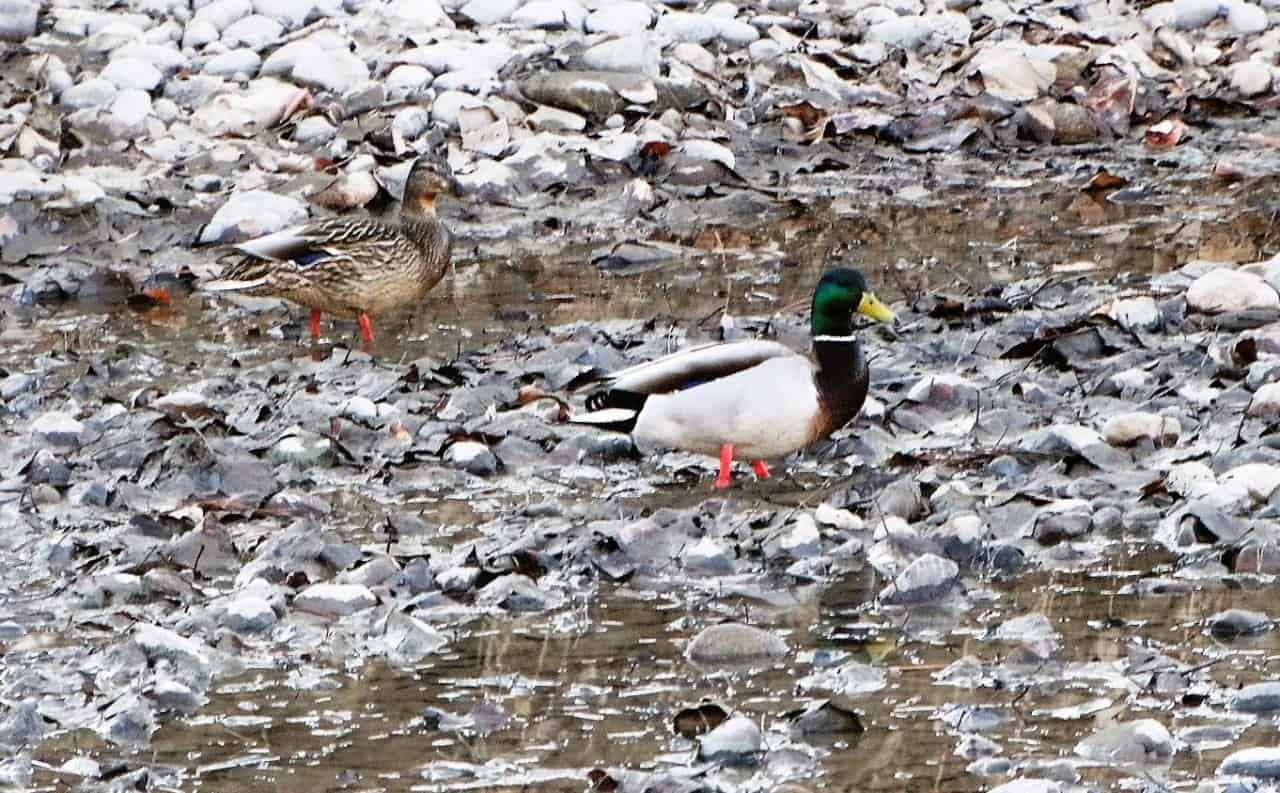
<point>351,267</point>
<point>759,399</point>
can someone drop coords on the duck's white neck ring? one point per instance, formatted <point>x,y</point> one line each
<point>848,338</point>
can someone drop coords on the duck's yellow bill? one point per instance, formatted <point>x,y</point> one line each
<point>872,307</point>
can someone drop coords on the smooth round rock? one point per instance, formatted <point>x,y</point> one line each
<point>1262,762</point>
<point>1223,290</point>
<point>735,740</point>
<point>734,643</point>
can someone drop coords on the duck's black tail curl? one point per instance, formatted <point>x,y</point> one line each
<point>613,409</point>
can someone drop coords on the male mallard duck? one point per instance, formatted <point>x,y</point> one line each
<point>759,399</point>
<point>352,267</point>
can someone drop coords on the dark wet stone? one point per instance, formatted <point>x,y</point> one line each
<point>924,580</point>
<point>825,718</point>
<point>604,93</point>
<point>1238,622</point>
<point>516,593</point>
<point>1141,741</point>
<point>732,643</point>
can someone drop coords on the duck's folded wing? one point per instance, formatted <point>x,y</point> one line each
<point>696,365</point>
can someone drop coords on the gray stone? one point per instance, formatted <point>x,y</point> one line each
<point>223,13</point>
<point>1238,622</point>
<point>1251,78</point>
<point>516,593</point>
<point>314,131</point>
<point>165,58</point>
<point>732,643</point>
<point>472,457</point>
<point>688,26</point>
<point>94,92</point>
<point>1245,18</point>
<point>1140,741</point>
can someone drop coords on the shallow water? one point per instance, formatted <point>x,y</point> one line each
<point>598,683</point>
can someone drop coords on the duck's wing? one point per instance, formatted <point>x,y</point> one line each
<point>696,365</point>
<point>300,248</point>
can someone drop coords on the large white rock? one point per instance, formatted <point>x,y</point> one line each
<point>167,59</point>
<point>339,599</point>
<point>1127,429</point>
<point>253,213</point>
<point>638,53</point>
<point>551,15</point>
<point>223,13</point>
<point>620,17</point>
<point>734,739</point>
<point>448,104</point>
<point>449,56</point>
<point>407,81</point>
<point>1245,18</point>
<point>255,31</point>
<point>337,71</point>
<point>1266,401</point>
<point>18,19</point>
<point>489,12</point>
<point>1015,76</point>
<point>688,26</point>
<point>129,112</point>
<point>132,73</point>
<point>94,92</point>
<point>419,13</point>
<point>906,32</point>
<point>1251,77</point>
<point>1260,479</point>
<point>1226,290</point>
<point>283,59</point>
<point>290,13</point>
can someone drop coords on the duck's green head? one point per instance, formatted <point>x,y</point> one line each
<point>838,295</point>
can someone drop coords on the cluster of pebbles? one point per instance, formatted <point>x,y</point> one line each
<point>168,528</point>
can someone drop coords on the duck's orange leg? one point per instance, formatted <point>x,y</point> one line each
<point>315,323</point>
<point>366,328</point>
<point>760,468</point>
<point>726,460</point>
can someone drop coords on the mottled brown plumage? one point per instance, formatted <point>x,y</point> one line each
<point>353,268</point>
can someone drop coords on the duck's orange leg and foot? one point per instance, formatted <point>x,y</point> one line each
<point>726,461</point>
<point>366,328</point>
<point>762,470</point>
<point>315,323</point>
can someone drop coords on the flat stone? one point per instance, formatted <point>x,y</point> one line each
<point>338,599</point>
<point>550,119</point>
<point>1265,401</point>
<point>57,429</point>
<point>250,614</point>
